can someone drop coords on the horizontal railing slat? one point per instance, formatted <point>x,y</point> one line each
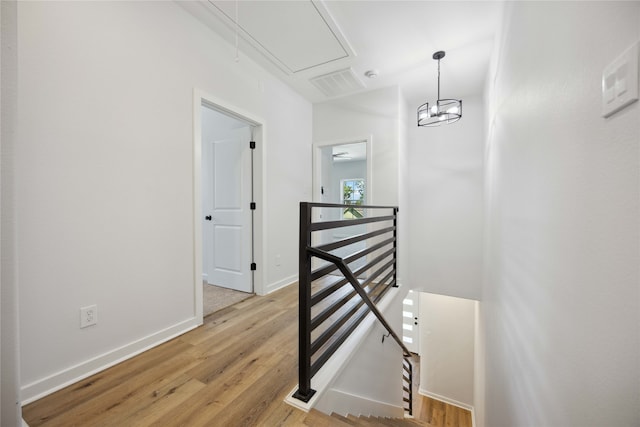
<point>327,312</point>
<point>324,293</point>
<point>317,226</point>
<point>336,205</point>
<point>320,295</point>
<point>355,239</point>
<point>338,342</point>
<point>378,272</point>
<point>327,334</point>
<point>387,277</point>
<point>331,268</point>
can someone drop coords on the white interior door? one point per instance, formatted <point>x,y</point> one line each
<point>227,211</point>
<point>411,321</point>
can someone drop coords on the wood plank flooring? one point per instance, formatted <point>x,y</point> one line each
<point>440,414</point>
<point>235,370</point>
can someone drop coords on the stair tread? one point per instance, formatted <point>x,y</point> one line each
<point>360,421</point>
<point>316,418</point>
<point>391,422</point>
<point>345,419</point>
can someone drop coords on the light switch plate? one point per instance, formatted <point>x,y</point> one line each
<point>620,81</point>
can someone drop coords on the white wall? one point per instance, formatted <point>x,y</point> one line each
<point>446,204</point>
<point>378,114</point>
<point>371,381</point>
<point>561,294</point>
<point>374,113</point>
<point>10,409</point>
<point>404,177</point>
<point>479,364</point>
<point>447,327</point>
<point>104,191</point>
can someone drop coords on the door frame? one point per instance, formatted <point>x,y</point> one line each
<point>317,164</point>
<point>201,98</point>
<point>316,170</point>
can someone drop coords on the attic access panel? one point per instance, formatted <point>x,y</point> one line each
<point>295,35</point>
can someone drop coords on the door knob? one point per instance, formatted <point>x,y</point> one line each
<point>208,217</point>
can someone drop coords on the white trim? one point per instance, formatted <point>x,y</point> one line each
<point>331,22</point>
<point>317,156</point>
<point>316,171</point>
<point>473,417</point>
<point>43,387</point>
<point>272,287</point>
<point>320,7</point>
<point>259,242</point>
<point>453,402</point>
<point>198,302</point>
<point>445,399</point>
<point>345,404</point>
<point>323,379</point>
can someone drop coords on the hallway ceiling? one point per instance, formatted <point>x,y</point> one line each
<point>334,43</point>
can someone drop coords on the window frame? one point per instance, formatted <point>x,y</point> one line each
<point>342,199</point>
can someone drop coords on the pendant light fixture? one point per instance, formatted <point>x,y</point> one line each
<point>444,111</point>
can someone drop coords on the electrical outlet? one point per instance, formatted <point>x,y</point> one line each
<point>278,262</point>
<point>88,316</point>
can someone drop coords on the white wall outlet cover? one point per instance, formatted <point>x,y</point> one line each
<point>620,81</point>
<point>88,316</point>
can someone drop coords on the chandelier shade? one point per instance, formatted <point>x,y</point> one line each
<point>443,111</point>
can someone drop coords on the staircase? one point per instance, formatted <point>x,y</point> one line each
<point>316,418</point>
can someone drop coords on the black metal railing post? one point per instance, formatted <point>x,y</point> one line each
<point>304,391</point>
<point>410,388</point>
<point>334,320</point>
<point>408,368</point>
<point>395,247</point>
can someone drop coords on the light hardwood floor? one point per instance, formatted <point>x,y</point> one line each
<point>235,370</point>
<point>440,414</point>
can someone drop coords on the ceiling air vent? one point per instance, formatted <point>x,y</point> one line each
<point>338,82</point>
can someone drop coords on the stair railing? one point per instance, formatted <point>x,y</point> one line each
<point>330,310</point>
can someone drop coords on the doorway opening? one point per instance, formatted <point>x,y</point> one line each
<point>226,198</point>
<point>342,175</point>
<point>443,331</point>
<point>227,205</point>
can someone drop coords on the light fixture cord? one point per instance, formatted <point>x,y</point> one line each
<point>237,58</point>
<point>438,80</point>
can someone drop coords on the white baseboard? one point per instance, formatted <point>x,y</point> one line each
<point>45,386</point>
<point>344,403</point>
<point>450,402</point>
<point>445,399</point>
<point>272,287</point>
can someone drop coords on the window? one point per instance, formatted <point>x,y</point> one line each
<point>352,194</point>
